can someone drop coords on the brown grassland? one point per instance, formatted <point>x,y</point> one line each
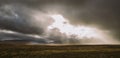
<point>59,51</point>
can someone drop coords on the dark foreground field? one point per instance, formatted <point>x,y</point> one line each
<point>65,51</point>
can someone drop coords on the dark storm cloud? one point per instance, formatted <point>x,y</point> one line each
<point>104,13</point>
<point>15,15</point>
<point>10,37</point>
<point>107,14</point>
<point>18,38</point>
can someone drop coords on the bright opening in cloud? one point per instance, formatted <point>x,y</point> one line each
<point>80,32</point>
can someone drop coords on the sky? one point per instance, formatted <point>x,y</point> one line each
<point>29,19</point>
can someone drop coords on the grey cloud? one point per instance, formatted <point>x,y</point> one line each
<point>15,15</point>
<point>19,38</point>
<point>16,18</point>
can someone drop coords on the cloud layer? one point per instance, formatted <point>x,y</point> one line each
<point>31,17</point>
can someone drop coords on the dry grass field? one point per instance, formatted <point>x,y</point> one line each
<point>59,51</point>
